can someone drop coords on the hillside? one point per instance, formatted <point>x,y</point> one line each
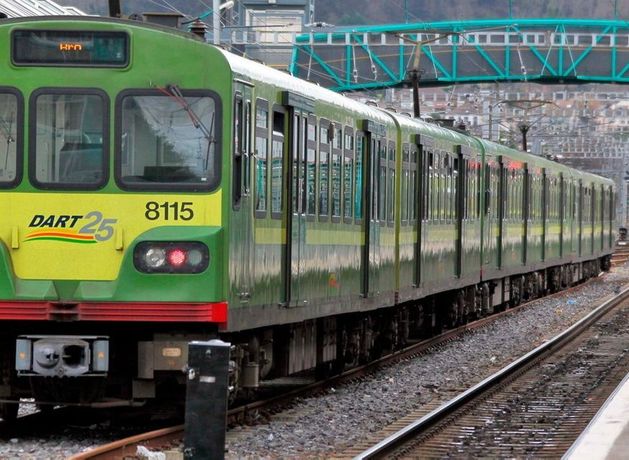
<point>392,11</point>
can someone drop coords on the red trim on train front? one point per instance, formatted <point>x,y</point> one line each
<point>215,312</point>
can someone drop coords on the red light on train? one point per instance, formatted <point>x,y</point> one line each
<point>177,257</point>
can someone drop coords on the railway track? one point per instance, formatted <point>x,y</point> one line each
<point>164,439</point>
<point>534,407</point>
<point>621,254</point>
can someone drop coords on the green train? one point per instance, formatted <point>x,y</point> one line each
<point>156,190</point>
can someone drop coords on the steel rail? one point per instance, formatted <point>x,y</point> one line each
<point>388,445</point>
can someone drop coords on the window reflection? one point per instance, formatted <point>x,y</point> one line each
<point>168,139</point>
<point>8,137</point>
<point>69,139</point>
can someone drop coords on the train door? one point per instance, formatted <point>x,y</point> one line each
<point>580,218</point>
<point>296,182</point>
<point>416,207</point>
<point>562,214</point>
<point>243,242</point>
<point>526,210</point>
<point>491,228</point>
<point>370,257</point>
<point>502,210</point>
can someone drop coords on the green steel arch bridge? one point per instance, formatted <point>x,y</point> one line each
<point>475,51</point>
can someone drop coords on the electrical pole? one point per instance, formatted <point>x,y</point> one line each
<point>415,82</point>
<point>216,21</point>
<point>524,128</point>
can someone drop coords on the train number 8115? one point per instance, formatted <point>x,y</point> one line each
<point>169,210</point>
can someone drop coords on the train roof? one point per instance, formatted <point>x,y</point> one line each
<point>260,72</point>
<point>497,149</point>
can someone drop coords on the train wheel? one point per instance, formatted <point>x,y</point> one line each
<point>8,411</point>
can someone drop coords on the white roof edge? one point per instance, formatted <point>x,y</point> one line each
<point>276,77</point>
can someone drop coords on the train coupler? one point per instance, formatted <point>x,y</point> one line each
<point>62,356</point>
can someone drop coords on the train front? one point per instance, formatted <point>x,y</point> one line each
<point>112,238</point>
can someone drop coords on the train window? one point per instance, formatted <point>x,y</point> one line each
<point>69,131</point>
<point>412,200</point>
<point>437,187</point>
<point>168,139</point>
<point>261,156</point>
<point>349,139</point>
<point>312,131</point>
<point>247,149</point>
<point>469,188</point>
<point>358,178</point>
<point>336,185</point>
<point>426,186</point>
<point>348,175</point>
<point>277,163</point>
<point>238,150</point>
<point>382,183</point>
<point>405,184</point>
<point>391,184</point>
<point>323,192</point>
<point>325,135</point>
<point>311,167</point>
<point>10,137</point>
<point>337,159</point>
<point>338,138</point>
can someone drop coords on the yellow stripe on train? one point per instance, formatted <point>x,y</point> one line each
<point>75,236</point>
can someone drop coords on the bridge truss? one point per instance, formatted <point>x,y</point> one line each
<point>444,53</point>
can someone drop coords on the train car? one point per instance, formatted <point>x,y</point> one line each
<point>156,190</point>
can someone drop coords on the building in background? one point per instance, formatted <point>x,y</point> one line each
<point>265,29</point>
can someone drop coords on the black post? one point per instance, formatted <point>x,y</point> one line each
<point>206,400</point>
<point>524,128</point>
<point>415,82</point>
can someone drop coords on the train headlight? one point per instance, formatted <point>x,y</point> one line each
<point>165,257</point>
<point>154,257</point>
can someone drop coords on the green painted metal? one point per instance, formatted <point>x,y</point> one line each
<point>552,50</point>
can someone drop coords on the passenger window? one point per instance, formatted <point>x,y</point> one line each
<point>324,172</point>
<point>238,150</point>
<point>336,185</point>
<point>382,184</point>
<point>311,167</point>
<point>405,184</point>
<point>68,132</point>
<point>261,155</point>
<point>348,174</point>
<point>277,164</point>
<point>358,178</point>
<point>10,137</point>
<point>413,198</point>
<point>391,184</point>
<point>337,153</point>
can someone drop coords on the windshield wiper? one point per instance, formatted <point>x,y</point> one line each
<point>174,92</point>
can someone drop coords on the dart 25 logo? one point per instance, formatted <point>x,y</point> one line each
<point>72,228</point>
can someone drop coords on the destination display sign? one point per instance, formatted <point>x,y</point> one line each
<point>70,48</point>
